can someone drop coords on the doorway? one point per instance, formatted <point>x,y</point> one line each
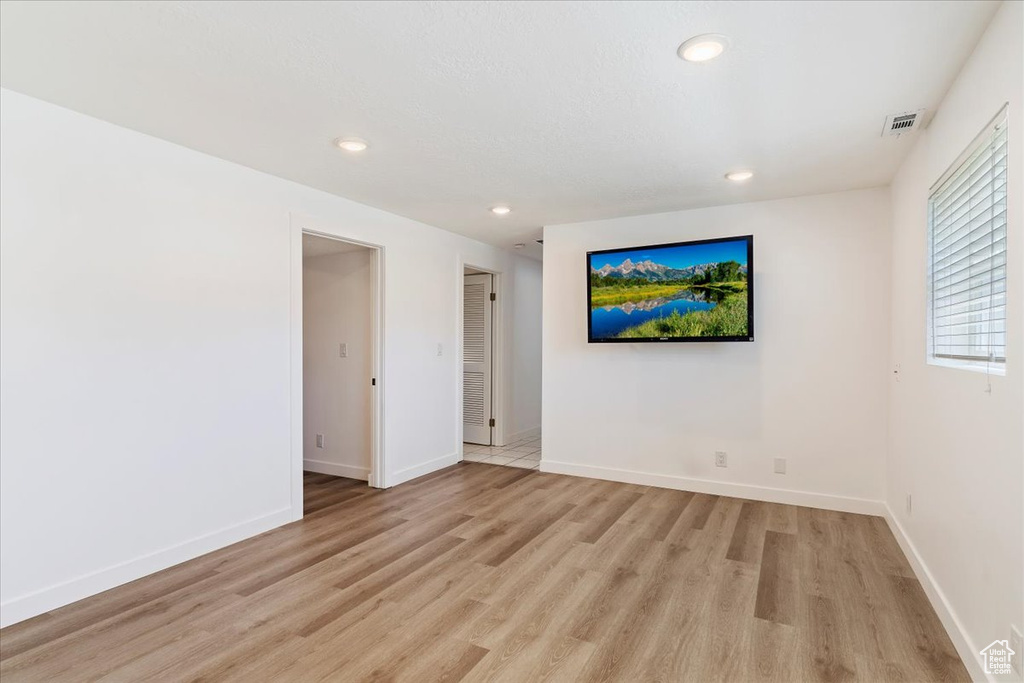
<point>340,358</point>
<point>483,376</point>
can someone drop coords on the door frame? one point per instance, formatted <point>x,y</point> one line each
<point>498,346</point>
<point>378,475</point>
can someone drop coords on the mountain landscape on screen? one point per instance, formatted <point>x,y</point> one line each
<point>655,272</point>
<point>686,291</point>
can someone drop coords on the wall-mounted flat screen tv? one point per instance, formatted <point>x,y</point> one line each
<point>699,291</point>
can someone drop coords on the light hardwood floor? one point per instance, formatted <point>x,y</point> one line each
<point>480,572</point>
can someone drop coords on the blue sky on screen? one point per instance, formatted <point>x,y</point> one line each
<point>678,257</point>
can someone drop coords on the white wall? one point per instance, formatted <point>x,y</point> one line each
<point>526,347</point>
<point>150,298</point>
<point>811,388</point>
<point>337,308</point>
<point>958,450</point>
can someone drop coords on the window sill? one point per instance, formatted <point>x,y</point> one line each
<point>979,366</point>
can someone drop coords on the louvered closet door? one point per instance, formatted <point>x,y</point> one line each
<point>476,359</point>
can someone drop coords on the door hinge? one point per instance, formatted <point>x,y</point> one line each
<point>490,423</point>
<point>373,381</point>
<point>494,297</point>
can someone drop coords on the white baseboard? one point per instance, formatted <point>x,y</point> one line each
<point>966,648</point>
<point>27,606</point>
<point>719,488</point>
<point>336,470</point>
<point>402,476</point>
<point>531,433</point>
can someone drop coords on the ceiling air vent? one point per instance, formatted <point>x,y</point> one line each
<point>898,124</point>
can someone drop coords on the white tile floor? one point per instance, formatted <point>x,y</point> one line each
<point>524,453</point>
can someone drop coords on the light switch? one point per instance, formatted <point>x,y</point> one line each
<point>343,350</point>
<point>440,350</point>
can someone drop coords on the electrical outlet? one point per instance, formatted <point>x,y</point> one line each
<point>910,505</point>
<point>343,350</point>
<point>1017,645</point>
<point>319,440</point>
<point>721,459</point>
<point>780,465</point>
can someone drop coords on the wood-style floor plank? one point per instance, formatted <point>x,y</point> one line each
<point>777,590</point>
<point>484,573</point>
<point>748,535</point>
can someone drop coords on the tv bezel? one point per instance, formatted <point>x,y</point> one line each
<point>661,340</point>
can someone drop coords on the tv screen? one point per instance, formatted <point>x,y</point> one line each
<point>682,292</point>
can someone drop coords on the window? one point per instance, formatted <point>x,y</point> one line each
<point>967,246</point>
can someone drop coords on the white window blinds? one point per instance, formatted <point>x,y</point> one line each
<point>967,244</point>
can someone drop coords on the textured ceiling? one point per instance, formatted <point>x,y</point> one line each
<point>567,111</point>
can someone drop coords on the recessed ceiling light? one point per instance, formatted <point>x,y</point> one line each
<point>500,210</point>
<point>703,48</point>
<point>351,144</point>
<point>739,176</point>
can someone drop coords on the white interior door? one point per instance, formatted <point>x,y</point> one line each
<point>476,359</point>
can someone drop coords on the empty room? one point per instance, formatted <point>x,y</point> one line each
<point>512,341</point>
